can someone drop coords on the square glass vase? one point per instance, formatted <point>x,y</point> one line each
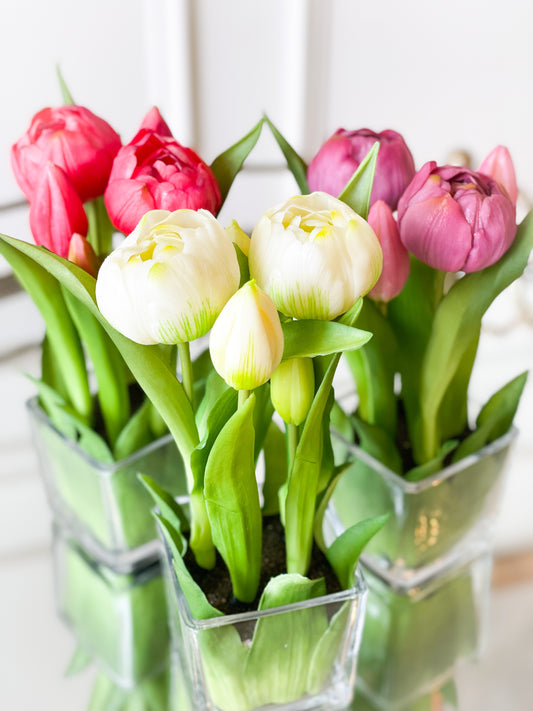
<point>431,522</point>
<point>415,636</point>
<point>119,619</point>
<point>104,505</point>
<point>296,657</point>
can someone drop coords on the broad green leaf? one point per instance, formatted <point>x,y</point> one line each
<point>263,412</point>
<point>100,234</point>
<point>244,267</point>
<point>55,406</point>
<point>343,554</point>
<point>61,333</point>
<point>323,505</point>
<point>495,418</point>
<point>327,464</point>
<point>434,465</point>
<point>65,93</point>
<point>275,469</point>
<point>51,372</point>
<point>107,696</point>
<point>170,510</point>
<point>136,433</point>
<point>458,316</point>
<point>232,501</point>
<point>357,192</point>
<point>328,648</point>
<point>295,164</point>
<point>283,644</point>
<point>309,338</point>
<point>215,416</point>
<point>81,659</point>
<point>378,443</point>
<point>226,166</point>
<point>200,608</point>
<point>109,369</point>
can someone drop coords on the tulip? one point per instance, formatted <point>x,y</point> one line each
<point>314,256</point>
<point>168,281</point>
<point>153,121</point>
<point>83,255</point>
<point>156,172</point>
<point>246,342</point>
<point>499,165</point>
<point>292,389</point>
<point>396,262</point>
<point>56,211</point>
<point>73,138</point>
<point>456,220</point>
<point>340,156</point>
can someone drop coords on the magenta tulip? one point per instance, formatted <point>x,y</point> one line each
<point>153,121</point>
<point>56,211</point>
<point>455,219</point>
<point>74,139</point>
<point>335,163</point>
<point>499,165</point>
<point>155,172</point>
<point>396,262</point>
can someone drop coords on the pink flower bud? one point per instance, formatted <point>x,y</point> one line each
<point>340,156</point>
<point>396,262</point>
<point>80,252</point>
<point>74,139</point>
<point>156,172</point>
<point>56,211</point>
<point>455,219</point>
<point>153,121</point>
<point>499,165</point>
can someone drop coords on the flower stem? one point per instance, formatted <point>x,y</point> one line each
<point>292,436</point>
<point>186,371</point>
<point>243,395</point>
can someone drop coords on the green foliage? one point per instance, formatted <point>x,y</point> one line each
<point>295,163</point>
<point>226,166</point>
<point>357,192</point>
<point>309,338</point>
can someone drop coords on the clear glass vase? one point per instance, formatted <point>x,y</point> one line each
<point>104,505</point>
<point>120,620</point>
<point>415,636</point>
<point>432,522</point>
<point>292,658</point>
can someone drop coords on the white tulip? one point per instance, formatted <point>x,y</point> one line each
<point>246,342</point>
<point>170,278</point>
<point>314,256</point>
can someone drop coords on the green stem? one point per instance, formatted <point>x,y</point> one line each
<point>186,371</point>
<point>100,233</point>
<point>292,437</point>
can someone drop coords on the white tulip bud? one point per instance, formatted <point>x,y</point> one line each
<point>292,389</point>
<point>314,256</point>
<point>170,278</point>
<point>246,342</point>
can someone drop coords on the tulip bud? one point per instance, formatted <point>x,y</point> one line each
<point>340,156</point>
<point>153,121</point>
<point>314,256</point>
<point>56,211</point>
<point>81,253</point>
<point>168,281</point>
<point>239,237</point>
<point>292,389</point>
<point>73,138</point>
<point>454,219</point>
<point>499,165</point>
<point>246,342</point>
<point>396,262</point>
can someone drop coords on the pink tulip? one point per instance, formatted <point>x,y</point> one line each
<point>153,121</point>
<point>396,262</point>
<point>340,156</point>
<point>499,165</point>
<point>80,252</point>
<point>73,138</point>
<point>56,211</point>
<point>455,219</point>
<point>155,172</point>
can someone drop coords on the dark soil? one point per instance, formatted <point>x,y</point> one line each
<point>216,583</point>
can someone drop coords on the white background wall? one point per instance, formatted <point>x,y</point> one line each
<point>446,75</point>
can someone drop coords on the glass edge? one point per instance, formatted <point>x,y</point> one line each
<point>412,487</point>
<point>36,410</point>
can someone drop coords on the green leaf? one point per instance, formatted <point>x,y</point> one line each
<point>357,192</point>
<point>136,433</point>
<point>232,501</point>
<point>434,465</point>
<point>107,696</point>
<point>309,338</point>
<point>170,510</point>
<point>226,166</point>
<point>275,469</point>
<point>81,659</point>
<point>283,644</point>
<point>65,93</point>
<point>377,442</point>
<point>100,234</point>
<point>456,319</point>
<point>244,267</point>
<point>323,505</point>
<point>295,164</point>
<point>495,418</point>
<point>343,554</point>
<point>327,649</point>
